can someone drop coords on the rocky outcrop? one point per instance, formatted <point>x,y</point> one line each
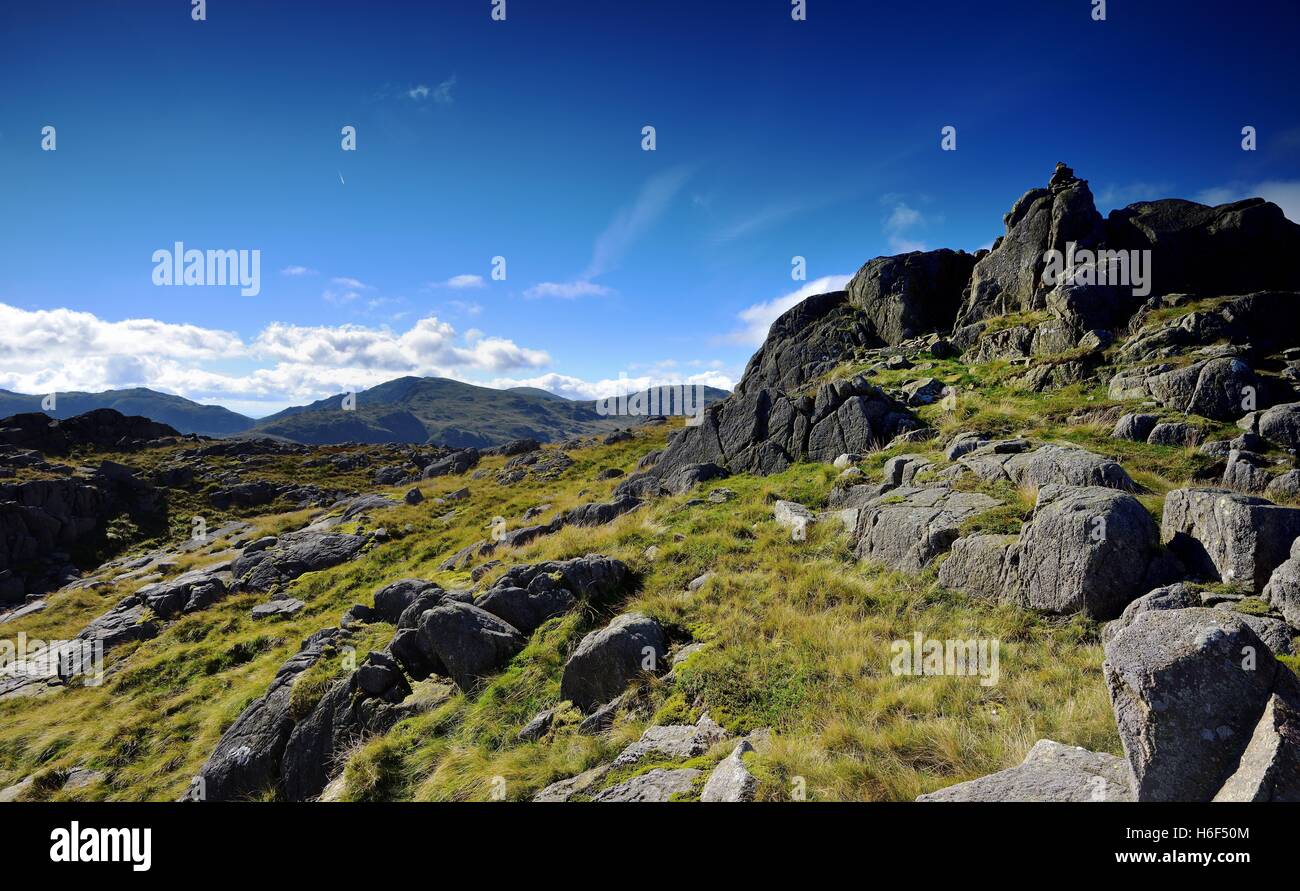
<point>655,785</point>
<point>765,431</point>
<point>40,518</point>
<point>1009,278</point>
<point>1196,249</point>
<point>911,294</point>
<point>674,742</point>
<point>102,428</point>
<point>293,554</point>
<point>1050,772</point>
<point>1213,388</point>
<point>1046,465</point>
<point>368,701</point>
<point>908,527</point>
<point>470,642</point>
<point>247,759</point>
<point>1228,537</point>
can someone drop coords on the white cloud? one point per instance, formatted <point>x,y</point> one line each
<point>568,290</point>
<point>1284,193</point>
<point>440,94</point>
<point>466,307</point>
<point>352,284</point>
<point>901,219</point>
<point>1113,195</point>
<point>577,388</point>
<point>628,226</point>
<point>461,282</point>
<point>60,350</point>
<point>348,290</point>
<point>757,319</point>
<point>297,271</point>
<point>631,223</point>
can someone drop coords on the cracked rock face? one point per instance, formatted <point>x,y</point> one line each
<point>1188,687</point>
<point>1009,278</point>
<point>908,527</point>
<point>1223,536</point>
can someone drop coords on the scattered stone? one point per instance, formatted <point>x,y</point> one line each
<point>731,780</point>
<point>655,785</point>
<point>277,608</point>
<point>538,726</point>
<point>1050,772</point>
<point>676,742</point>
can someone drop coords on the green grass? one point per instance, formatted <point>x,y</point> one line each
<point>797,638</point>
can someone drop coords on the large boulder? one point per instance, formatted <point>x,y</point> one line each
<point>1281,425</point>
<point>524,609</point>
<point>1009,278</point>
<point>608,659</point>
<point>1227,537</point>
<point>1283,589</point>
<point>292,555</point>
<point>1188,687</point>
<point>601,512</point>
<point>912,294</point>
<point>1050,772</point>
<point>980,565</point>
<point>1219,388</point>
<point>1047,465</point>
<point>394,598</point>
<point>1087,550</point>
<point>187,593</point>
<point>764,431</point>
<point>1196,249</point>
<point>470,642</point>
<point>731,779</point>
<point>908,527</point>
<point>1269,769</point>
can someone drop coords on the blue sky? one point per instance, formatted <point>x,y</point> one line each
<point>523,139</point>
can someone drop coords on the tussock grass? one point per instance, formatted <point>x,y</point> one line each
<point>797,637</point>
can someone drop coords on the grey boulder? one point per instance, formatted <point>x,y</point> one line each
<point>1050,772</point>
<point>1188,687</point>
<point>470,642</point>
<point>608,659</point>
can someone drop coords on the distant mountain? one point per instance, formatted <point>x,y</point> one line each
<point>185,415</point>
<point>444,412</point>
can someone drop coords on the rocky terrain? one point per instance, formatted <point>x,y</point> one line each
<point>1098,486</point>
